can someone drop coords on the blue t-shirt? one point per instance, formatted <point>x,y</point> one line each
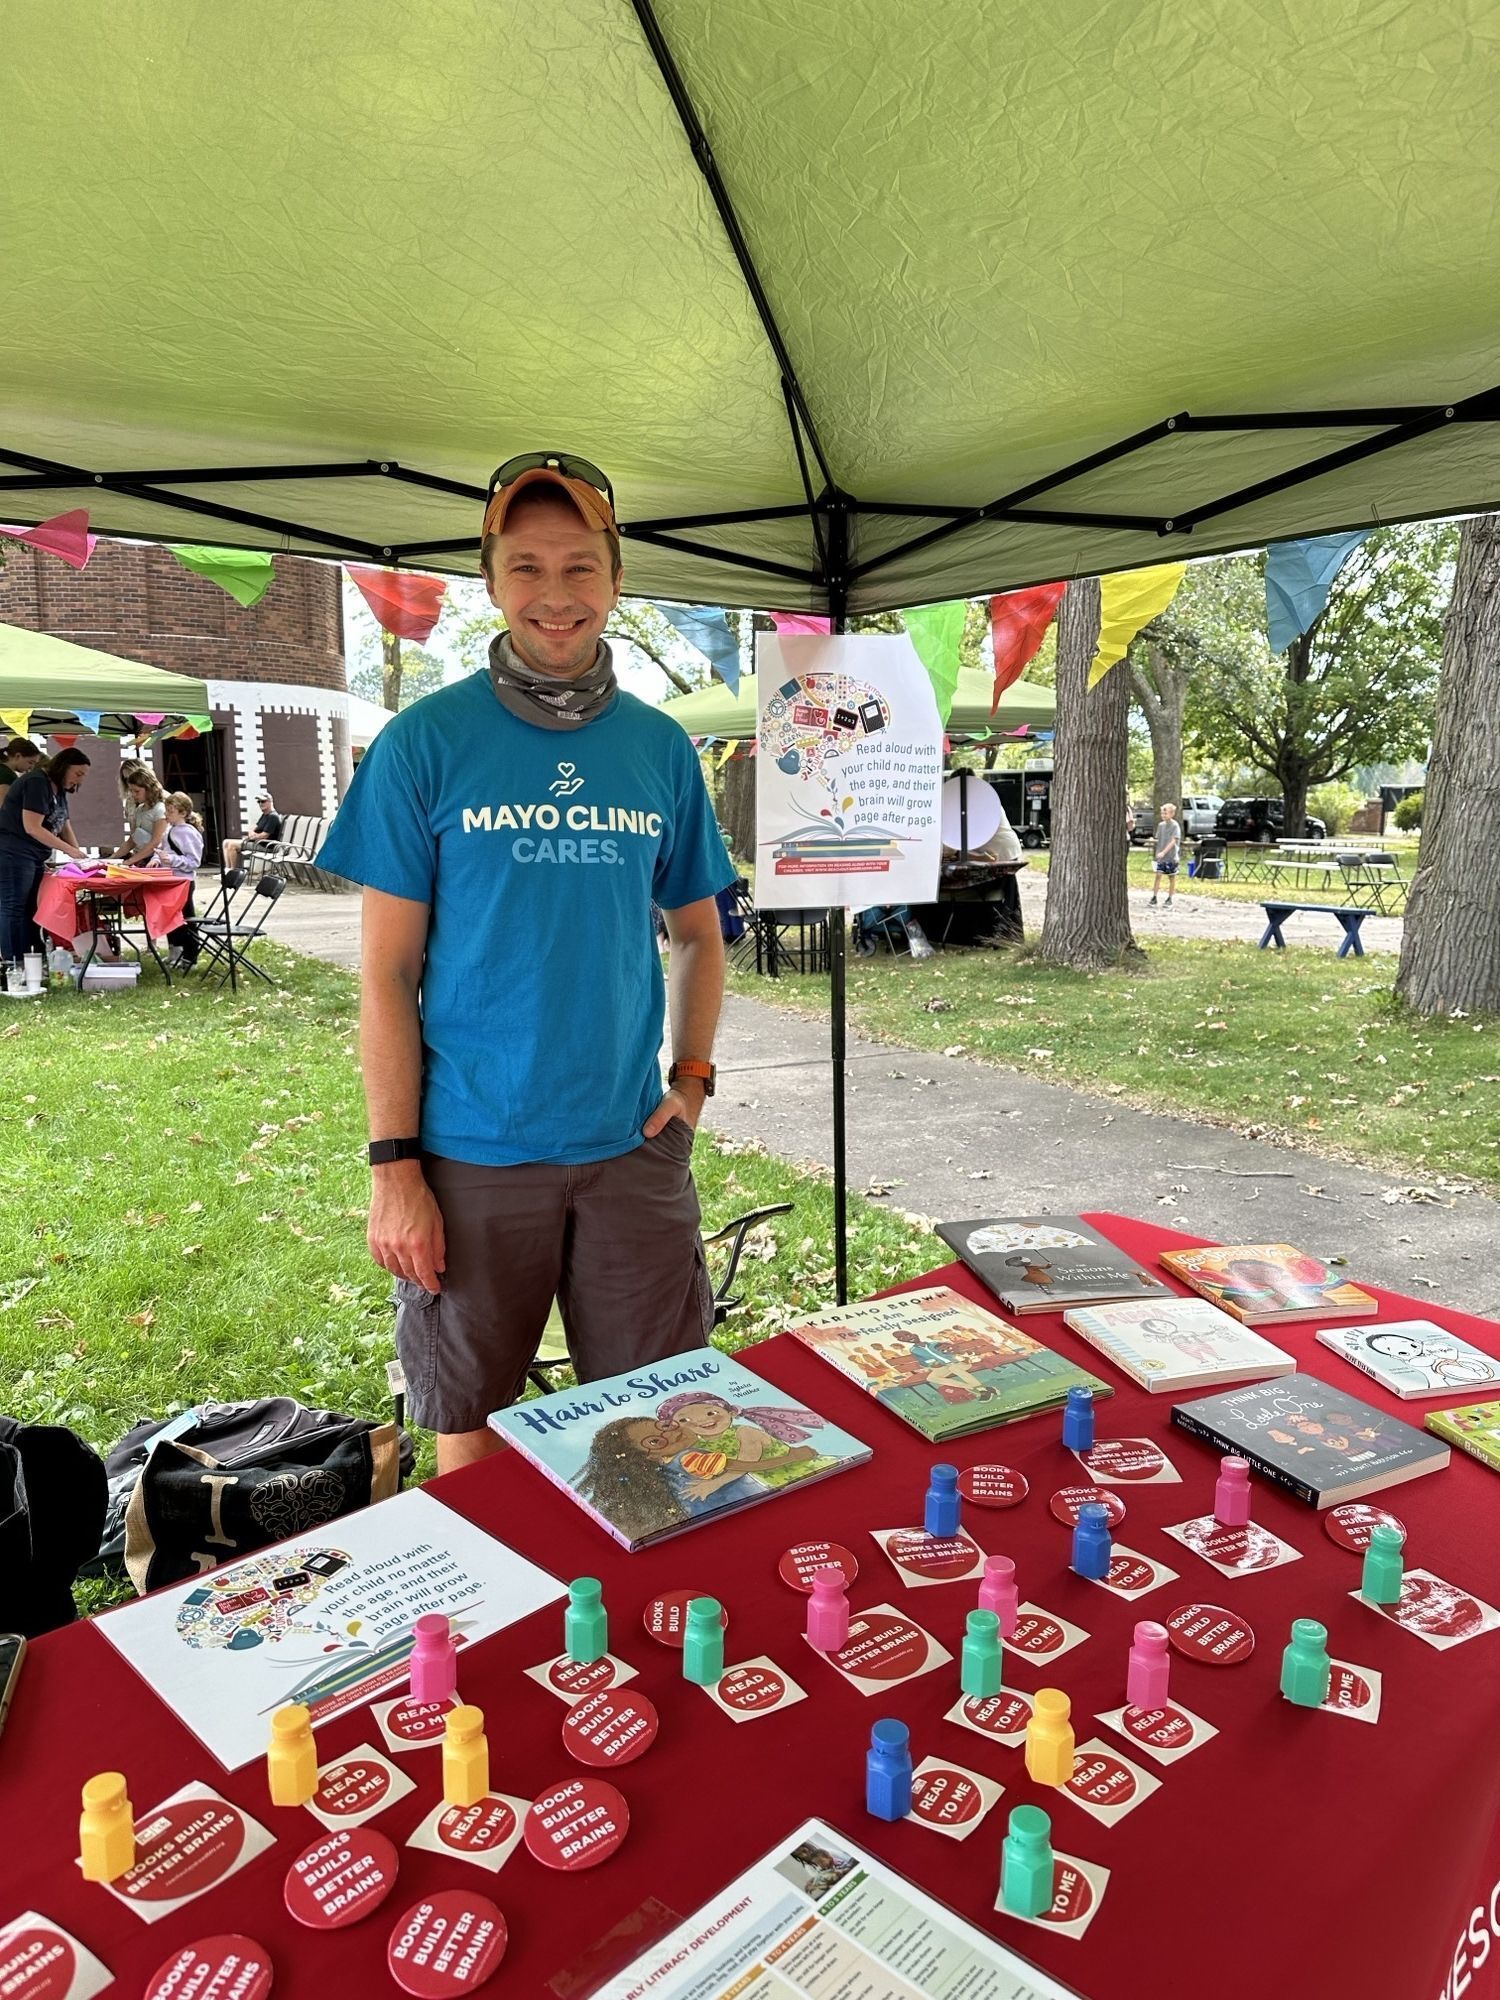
<point>540,852</point>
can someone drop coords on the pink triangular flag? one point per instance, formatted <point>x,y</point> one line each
<point>789,623</point>
<point>65,536</point>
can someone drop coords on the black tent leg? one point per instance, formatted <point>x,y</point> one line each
<point>213,776</point>
<point>838,925</point>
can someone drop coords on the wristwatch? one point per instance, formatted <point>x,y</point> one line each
<point>383,1152</point>
<point>690,1066</point>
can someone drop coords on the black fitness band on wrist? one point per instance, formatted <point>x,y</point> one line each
<point>384,1152</point>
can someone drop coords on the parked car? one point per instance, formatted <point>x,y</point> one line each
<point>1200,814</point>
<point>1262,820</point>
<point>1145,822</point>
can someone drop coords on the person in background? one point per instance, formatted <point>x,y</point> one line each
<point>21,755</point>
<point>182,851</point>
<point>145,815</point>
<point>1168,852</point>
<point>34,823</point>
<point>266,828</point>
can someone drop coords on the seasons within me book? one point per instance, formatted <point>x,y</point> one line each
<point>669,1446</point>
<point>1319,1444</point>
<point>1167,1344</point>
<point>1261,1283</point>
<point>942,1364</point>
<point>1042,1263</point>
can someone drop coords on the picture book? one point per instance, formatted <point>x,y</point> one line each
<point>942,1364</point>
<point>1319,1444</point>
<point>1042,1263</point>
<point>1177,1343</point>
<point>1263,1282</point>
<point>1414,1357</point>
<point>669,1446</point>
<point>1473,1427</point>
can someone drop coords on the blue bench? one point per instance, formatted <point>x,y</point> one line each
<point>1349,920</point>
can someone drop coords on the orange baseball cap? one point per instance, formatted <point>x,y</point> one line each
<point>585,486</point>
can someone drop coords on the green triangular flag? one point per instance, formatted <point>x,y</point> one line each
<point>245,573</point>
<point>935,630</point>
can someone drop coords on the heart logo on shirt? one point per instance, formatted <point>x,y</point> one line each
<point>566,770</point>
<point>565,783</point>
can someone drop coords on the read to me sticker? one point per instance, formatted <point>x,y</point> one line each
<point>950,1799</point>
<point>1002,1717</point>
<point>801,1564</point>
<point>1077,1891</point>
<point>216,1968</point>
<point>665,1617</point>
<point>1352,1691</point>
<point>409,1725</point>
<point>340,1879</point>
<point>1106,1784</point>
<point>40,1962</point>
<point>190,1844</point>
<point>993,1485</point>
<point>1043,1635</point>
<point>755,1688</point>
<point>570,1680</point>
<point>576,1825</point>
<point>448,1943</point>
<point>357,1787</point>
<point>485,1833</point>
<point>1165,1733</point>
<point>1131,1574</point>
<point>1209,1633</point>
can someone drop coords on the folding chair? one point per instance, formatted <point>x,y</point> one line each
<point>227,941</point>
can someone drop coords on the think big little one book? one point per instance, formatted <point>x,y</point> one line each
<point>668,1446</point>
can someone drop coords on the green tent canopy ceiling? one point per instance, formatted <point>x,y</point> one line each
<point>57,681</point>
<point>1142,282</point>
<point>714,711</point>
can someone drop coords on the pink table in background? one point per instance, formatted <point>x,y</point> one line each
<point>154,895</point>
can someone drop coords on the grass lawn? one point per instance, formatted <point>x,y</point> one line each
<point>1240,889</point>
<point>1298,1044</point>
<point>182,1208</point>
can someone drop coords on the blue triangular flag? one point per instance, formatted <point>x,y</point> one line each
<point>1299,576</point>
<point>89,720</point>
<point>709,631</point>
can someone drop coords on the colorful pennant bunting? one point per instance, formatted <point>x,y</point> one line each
<point>1018,624</point>
<point>1128,600</point>
<point>406,603</point>
<point>1299,576</point>
<point>15,721</point>
<point>247,574</point>
<point>791,623</point>
<point>708,630</point>
<point>65,536</point>
<point>936,630</point>
<point>90,718</point>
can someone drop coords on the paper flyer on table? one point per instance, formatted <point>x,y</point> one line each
<point>325,1618</point>
<point>817,1916</point>
<point>848,777</point>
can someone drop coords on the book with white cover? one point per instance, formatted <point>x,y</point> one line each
<point>1177,1343</point>
<point>1414,1357</point>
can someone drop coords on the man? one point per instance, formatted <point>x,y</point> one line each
<point>21,755</point>
<point>267,828</point>
<point>1168,849</point>
<point>512,832</point>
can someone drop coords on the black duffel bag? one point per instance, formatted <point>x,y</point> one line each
<point>52,1497</point>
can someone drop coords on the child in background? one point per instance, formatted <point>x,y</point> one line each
<point>182,851</point>
<point>1168,850</point>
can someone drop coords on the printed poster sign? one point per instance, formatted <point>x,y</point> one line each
<point>848,774</point>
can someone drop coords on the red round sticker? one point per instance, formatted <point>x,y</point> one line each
<point>352,1787</point>
<point>1209,1633</point>
<point>1101,1779</point>
<point>478,1829</point>
<point>577,1824</point>
<point>1067,1500</point>
<point>419,1721</point>
<point>215,1968</point>
<point>1129,1573</point>
<point>665,1617</point>
<point>1038,1635</point>
<point>993,1485</point>
<point>1125,1459</point>
<point>751,1689</point>
<point>1072,1895</point>
<point>341,1878</point>
<point>947,1797</point>
<point>609,1729</point>
<point>448,1943</point>
<point>38,1963</point>
<point>183,1849</point>
<point>1164,1728</point>
<point>1351,1525</point>
<point>886,1648</point>
<point>999,1714</point>
<point>937,1556</point>
<point>801,1564</point>
<point>1348,1688</point>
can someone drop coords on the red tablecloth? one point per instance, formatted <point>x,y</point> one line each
<point>1297,1855</point>
<point>155,895</point>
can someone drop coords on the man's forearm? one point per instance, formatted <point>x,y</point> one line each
<point>390,1046</point>
<point>696,993</point>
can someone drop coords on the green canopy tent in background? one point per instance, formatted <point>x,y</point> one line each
<point>714,711</point>
<point>861,306</point>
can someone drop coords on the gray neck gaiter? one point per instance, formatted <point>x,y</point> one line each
<point>544,700</point>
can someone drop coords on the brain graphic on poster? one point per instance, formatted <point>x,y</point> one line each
<point>264,1598</point>
<point>813,719</point>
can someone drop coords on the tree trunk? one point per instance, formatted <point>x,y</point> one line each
<point>1162,696</point>
<point>1087,924</point>
<point>390,670</point>
<point>1450,954</point>
<point>1293,801</point>
<point>737,807</point>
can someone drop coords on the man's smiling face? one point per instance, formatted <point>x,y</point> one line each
<point>552,577</point>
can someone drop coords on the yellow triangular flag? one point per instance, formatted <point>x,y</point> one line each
<point>1127,601</point>
<point>15,721</point>
<point>726,753</point>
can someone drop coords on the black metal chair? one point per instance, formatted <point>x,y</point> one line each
<point>228,940</point>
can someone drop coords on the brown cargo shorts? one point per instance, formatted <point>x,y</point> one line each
<point>617,1243</point>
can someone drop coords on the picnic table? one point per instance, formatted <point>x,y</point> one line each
<point>1373,873</point>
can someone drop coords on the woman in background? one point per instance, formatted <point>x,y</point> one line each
<point>34,823</point>
<point>182,851</point>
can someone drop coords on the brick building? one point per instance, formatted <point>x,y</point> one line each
<point>275,672</point>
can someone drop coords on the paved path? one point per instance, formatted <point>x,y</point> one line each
<point>950,1137</point>
<point>1218,917</point>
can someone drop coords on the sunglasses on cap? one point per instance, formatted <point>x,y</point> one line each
<point>566,462</point>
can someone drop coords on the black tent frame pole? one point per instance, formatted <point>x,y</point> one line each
<point>838,935</point>
<point>213,777</point>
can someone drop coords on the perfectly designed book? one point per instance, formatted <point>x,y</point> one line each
<point>942,1364</point>
<point>1263,1282</point>
<point>1473,1427</point>
<point>1318,1444</point>
<point>1413,1357</point>
<point>1177,1343</point>
<point>1042,1263</point>
<point>665,1447</point>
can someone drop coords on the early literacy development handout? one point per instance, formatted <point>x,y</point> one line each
<point>325,1618</point>
<point>818,1918</point>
